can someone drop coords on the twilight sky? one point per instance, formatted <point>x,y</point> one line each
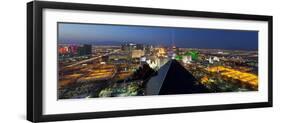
<point>163,36</point>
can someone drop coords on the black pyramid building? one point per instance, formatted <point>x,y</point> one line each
<point>173,78</point>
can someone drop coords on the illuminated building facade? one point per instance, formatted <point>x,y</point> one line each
<point>137,53</point>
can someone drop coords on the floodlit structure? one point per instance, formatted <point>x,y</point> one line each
<point>137,53</point>
<point>186,59</point>
<point>244,77</point>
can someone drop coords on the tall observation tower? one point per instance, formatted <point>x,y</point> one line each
<point>173,49</point>
<point>173,38</point>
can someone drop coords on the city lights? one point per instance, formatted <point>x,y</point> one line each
<point>149,64</point>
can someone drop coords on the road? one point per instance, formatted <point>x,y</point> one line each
<point>91,59</point>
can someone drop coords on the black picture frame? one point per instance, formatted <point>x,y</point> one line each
<point>35,69</point>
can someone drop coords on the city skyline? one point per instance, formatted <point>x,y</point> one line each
<point>70,33</point>
<point>96,61</point>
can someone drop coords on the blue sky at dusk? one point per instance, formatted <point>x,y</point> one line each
<point>162,36</point>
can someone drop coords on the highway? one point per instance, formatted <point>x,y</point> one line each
<point>91,59</point>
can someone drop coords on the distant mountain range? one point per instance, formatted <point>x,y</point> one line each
<point>107,43</point>
<point>119,43</point>
<point>94,43</point>
<point>113,43</point>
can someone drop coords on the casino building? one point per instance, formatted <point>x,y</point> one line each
<point>173,78</point>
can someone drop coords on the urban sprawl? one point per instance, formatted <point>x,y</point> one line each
<point>130,69</point>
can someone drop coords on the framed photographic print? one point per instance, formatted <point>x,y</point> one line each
<point>95,61</point>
